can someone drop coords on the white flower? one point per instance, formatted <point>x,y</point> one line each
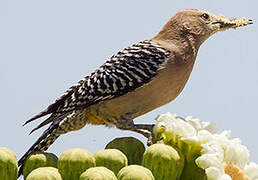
<point>201,125</point>
<point>173,126</point>
<point>215,148</point>
<point>251,170</point>
<point>204,136</point>
<point>225,177</point>
<point>236,153</point>
<point>208,160</point>
<point>211,127</point>
<point>192,140</point>
<point>213,173</point>
<point>222,138</point>
<point>196,123</point>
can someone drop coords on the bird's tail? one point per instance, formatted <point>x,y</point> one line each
<point>42,144</point>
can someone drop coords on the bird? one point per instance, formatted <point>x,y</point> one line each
<point>134,81</point>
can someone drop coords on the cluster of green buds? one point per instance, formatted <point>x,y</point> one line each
<point>208,153</point>
<point>186,149</point>
<point>120,160</point>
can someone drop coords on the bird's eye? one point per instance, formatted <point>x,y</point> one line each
<point>205,16</point>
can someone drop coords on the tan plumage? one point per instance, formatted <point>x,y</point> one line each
<point>135,81</point>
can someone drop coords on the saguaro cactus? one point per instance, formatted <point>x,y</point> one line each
<point>98,173</point>
<point>135,172</point>
<point>44,173</point>
<point>8,164</point>
<point>165,162</point>
<point>130,146</point>
<point>112,159</point>
<point>39,159</point>
<point>74,162</point>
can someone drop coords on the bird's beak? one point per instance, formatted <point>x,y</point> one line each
<point>222,23</point>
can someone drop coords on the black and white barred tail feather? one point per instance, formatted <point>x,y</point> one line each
<point>54,106</point>
<point>42,144</point>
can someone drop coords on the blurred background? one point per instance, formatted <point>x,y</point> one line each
<point>47,46</point>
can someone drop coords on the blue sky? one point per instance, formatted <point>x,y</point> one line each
<point>47,46</point>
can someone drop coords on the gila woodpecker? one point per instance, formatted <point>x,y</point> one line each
<point>134,81</point>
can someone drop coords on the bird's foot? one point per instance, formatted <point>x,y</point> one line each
<point>125,122</point>
<point>144,129</point>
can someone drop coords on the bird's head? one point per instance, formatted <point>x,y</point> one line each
<point>198,24</point>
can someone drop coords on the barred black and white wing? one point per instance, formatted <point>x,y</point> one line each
<point>129,69</point>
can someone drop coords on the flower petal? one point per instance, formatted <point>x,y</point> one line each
<point>251,170</point>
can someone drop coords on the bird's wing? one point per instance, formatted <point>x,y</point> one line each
<point>124,72</point>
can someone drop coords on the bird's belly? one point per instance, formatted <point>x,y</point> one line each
<point>161,90</point>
